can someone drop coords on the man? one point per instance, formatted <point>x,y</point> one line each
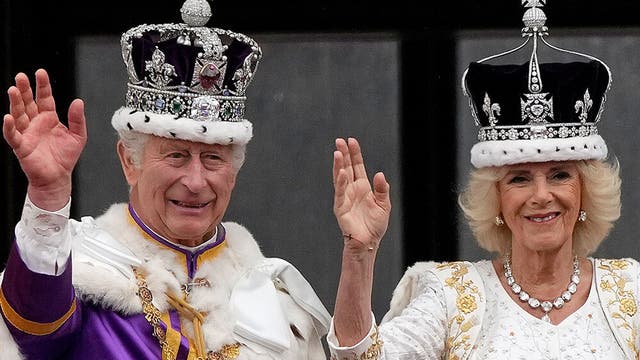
<point>161,277</point>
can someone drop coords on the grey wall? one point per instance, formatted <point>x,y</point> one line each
<point>617,126</point>
<point>308,90</point>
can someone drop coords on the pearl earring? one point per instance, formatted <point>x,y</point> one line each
<point>582,216</point>
<point>499,221</point>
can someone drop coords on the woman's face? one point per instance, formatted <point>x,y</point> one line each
<point>540,203</point>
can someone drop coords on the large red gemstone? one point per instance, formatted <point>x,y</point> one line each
<point>209,76</point>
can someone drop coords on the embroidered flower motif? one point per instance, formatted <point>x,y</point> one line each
<point>618,264</point>
<point>466,303</point>
<point>621,301</point>
<point>628,306</point>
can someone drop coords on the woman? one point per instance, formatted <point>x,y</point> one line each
<point>542,197</point>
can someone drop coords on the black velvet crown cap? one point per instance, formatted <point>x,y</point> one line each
<point>536,111</point>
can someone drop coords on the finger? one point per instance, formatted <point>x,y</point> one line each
<point>44,95</point>
<point>381,190</point>
<point>77,120</point>
<point>357,161</point>
<point>338,160</point>
<point>343,146</point>
<point>340,187</point>
<point>11,135</point>
<point>17,109</point>
<point>339,155</point>
<point>26,95</point>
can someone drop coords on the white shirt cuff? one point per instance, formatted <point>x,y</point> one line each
<point>352,352</point>
<point>43,238</point>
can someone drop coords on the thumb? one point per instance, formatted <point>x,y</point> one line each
<point>77,121</point>
<point>381,190</point>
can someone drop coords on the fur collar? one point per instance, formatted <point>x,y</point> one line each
<point>115,291</point>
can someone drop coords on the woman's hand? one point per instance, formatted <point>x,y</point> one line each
<point>46,149</point>
<point>362,211</point>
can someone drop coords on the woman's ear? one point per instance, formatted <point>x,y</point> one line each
<point>129,169</point>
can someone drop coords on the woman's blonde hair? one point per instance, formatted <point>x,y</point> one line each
<point>600,200</point>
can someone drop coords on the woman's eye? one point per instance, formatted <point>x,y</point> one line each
<point>517,179</point>
<point>561,175</point>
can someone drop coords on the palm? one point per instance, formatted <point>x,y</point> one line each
<point>362,212</point>
<point>46,149</point>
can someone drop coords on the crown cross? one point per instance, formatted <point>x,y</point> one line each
<point>536,108</point>
<point>158,70</point>
<point>583,106</point>
<point>491,109</point>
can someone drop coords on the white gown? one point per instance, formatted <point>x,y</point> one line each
<point>420,330</point>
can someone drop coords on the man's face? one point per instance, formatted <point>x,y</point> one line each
<point>181,189</point>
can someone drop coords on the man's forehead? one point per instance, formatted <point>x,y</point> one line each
<point>163,143</point>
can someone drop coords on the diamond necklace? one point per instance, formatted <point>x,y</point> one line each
<point>546,305</point>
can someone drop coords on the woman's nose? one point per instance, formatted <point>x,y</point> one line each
<point>542,194</point>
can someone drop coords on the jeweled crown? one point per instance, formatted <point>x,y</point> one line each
<point>186,80</point>
<point>536,111</point>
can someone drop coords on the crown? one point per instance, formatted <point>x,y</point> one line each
<point>536,111</point>
<point>186,80</point>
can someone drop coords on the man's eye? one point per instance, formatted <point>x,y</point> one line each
<point>210,157</point>
<point>175,155</point>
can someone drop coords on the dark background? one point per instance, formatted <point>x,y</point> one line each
<point>40,34</point>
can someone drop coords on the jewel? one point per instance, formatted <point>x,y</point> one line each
<point>546,305</point>
<point>159,103</point>
<point>205,108</point>
<point>176,106</point>
<point>516,288</point>
<point>558,303</point>
<point>533,302</point>
<point>537,110</point>
<point>209,76</point>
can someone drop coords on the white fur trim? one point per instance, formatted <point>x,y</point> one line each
<point>113,290</point>
<point>164,125</point>
<point>506,152</point>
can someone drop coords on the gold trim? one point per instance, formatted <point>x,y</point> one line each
<point>154,317</point>
<point>621,303</point>
<point>372,353</point>
<point>458,344</point>
<point>32,327</point>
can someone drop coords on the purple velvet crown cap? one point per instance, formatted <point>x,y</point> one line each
<point>188,81</point>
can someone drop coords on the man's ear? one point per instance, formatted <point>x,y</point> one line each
<point>128,167</point>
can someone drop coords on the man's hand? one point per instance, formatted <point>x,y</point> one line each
<point>46,149</point>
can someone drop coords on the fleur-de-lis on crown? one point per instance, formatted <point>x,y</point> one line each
<point>159,71</point>
<point>584,106</point>
<point>491,109</point>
